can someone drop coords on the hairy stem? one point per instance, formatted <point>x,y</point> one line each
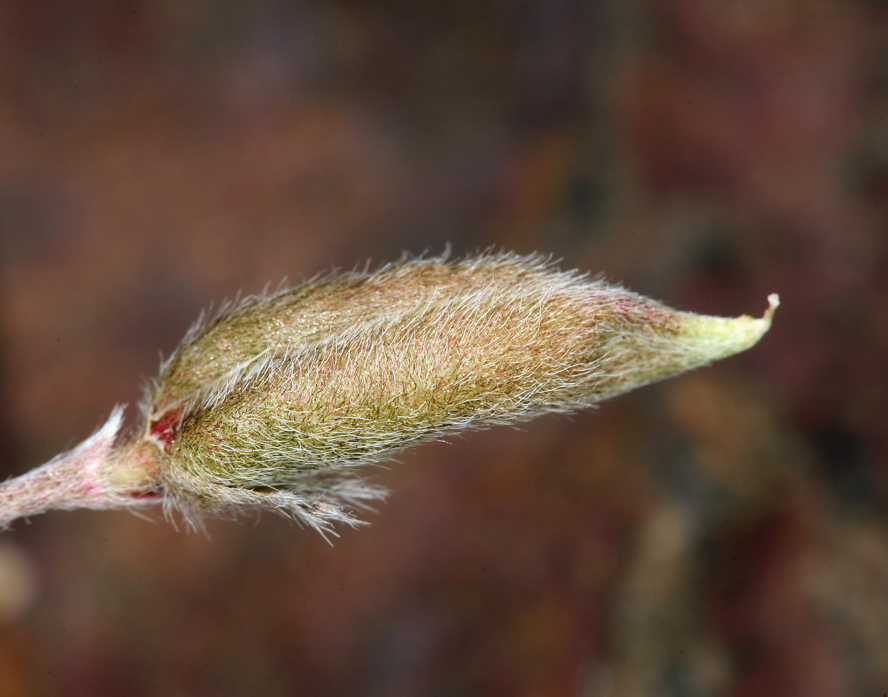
<point>92,475</point>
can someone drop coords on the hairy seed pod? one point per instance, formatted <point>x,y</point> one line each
<point>275,400</point>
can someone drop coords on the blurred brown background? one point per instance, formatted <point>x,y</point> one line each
<point>720,534</point>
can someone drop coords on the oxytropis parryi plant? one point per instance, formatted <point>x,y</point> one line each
<point>276,400</point>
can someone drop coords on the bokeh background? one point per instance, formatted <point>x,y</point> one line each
<point>721,534</point>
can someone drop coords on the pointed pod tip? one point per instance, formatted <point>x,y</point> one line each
<point>773,304</point>
<point>758,327</point>
<point>748,331</point>
<point>712,338</point>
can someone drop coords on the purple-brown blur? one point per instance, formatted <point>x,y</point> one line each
<point>725,533</point>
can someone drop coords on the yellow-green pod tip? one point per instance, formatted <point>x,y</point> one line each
<point>718,337</point>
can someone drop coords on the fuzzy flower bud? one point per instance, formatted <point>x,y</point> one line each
<point>275,400</point>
